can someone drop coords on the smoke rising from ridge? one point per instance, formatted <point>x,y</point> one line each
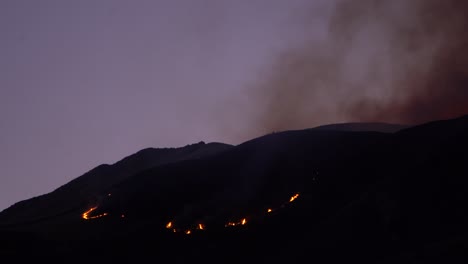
<point>388,61</point>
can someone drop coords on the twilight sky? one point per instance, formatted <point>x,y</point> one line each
<point>91,81</point>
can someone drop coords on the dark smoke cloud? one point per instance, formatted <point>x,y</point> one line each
<point>391,61</point>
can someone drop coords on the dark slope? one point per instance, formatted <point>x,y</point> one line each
<point>76,194</point>
<point>360,127</point>
<point>249,176</point>
<point>415,212</point>
<point>364,196</point>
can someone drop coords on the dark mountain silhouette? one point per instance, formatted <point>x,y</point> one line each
<point>360,127</point>
<point>95,182</point>
<point>337,193</point>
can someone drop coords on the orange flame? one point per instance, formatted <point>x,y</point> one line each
<point>86,215</point>
<point>241,222</point>
<point>294,197</point>
<point>230,224</point>
<point>201,226</point>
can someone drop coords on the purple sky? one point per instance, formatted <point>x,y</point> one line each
<point>89,82</point>
<point>86,82</point>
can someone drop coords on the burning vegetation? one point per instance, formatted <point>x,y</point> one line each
<point>86,215</point>
<point>294,197</point>
<point>199,226</point>
<point>241,222</point>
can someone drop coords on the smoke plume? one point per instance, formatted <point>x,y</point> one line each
<point>393,61</point>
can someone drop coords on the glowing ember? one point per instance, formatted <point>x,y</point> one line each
<point>86,215</point>
<point>200,226</point>
<point>294,197</point>
<point>241,222</point>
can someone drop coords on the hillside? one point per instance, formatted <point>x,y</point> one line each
<point>318,195</point>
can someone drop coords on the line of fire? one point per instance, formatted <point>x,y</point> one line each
<point>197,227</point>
<point>241,222</point>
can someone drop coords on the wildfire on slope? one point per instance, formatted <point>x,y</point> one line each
<point>293,198</point>
<point>86,215</point>
<point>243,221</point>
<point>170,225</point>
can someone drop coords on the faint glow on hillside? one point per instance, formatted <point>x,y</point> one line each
<point>86,215</point>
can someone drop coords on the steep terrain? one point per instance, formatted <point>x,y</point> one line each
<point>315,195</point>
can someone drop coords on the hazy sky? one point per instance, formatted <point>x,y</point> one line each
<point>91,81</point>
<point>86,82</point>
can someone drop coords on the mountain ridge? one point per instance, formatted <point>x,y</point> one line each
<point>374,197</point>
<point>140,160</point>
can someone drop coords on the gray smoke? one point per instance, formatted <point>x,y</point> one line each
<point>394,61</point>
